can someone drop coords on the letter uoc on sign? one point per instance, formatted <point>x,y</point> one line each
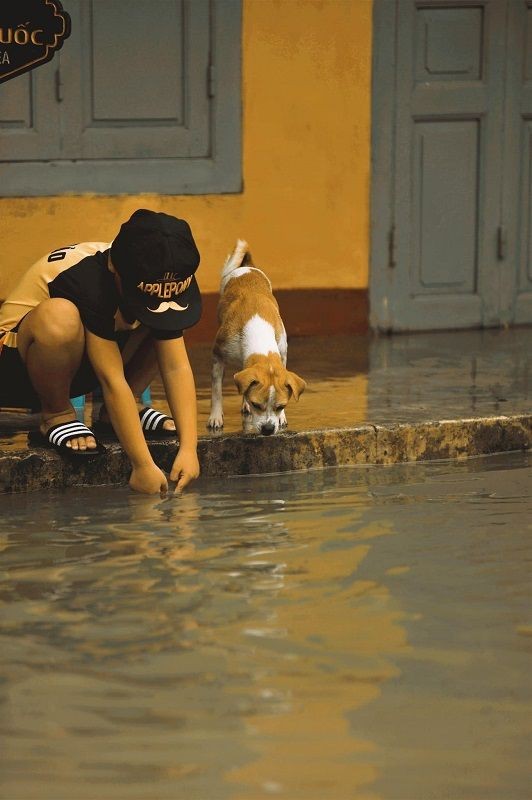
<point>31,32</point>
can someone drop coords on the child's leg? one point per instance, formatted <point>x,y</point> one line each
<point>140,367</point>
<point>51,342</point>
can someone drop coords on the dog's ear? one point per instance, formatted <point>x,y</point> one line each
<point>244,379</point>
<point>295,384</point>
<point>247,261</point>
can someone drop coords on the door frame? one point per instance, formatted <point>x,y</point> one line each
<point>383,121</point>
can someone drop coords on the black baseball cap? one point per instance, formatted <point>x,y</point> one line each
<point>156,257</point>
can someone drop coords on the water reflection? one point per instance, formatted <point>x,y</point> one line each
<point>323,649</point>
<point>435,375</point>
<point>279,636</point>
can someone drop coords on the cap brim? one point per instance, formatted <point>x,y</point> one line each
<point>160,316</point>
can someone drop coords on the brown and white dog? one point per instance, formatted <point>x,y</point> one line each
<point>252,337</point>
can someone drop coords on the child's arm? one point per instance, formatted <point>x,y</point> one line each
<point>119,401</point>
<point>180,391</point>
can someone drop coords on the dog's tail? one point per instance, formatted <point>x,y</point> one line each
<point>240,257</point>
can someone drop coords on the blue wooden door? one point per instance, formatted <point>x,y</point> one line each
<point>442,127</point>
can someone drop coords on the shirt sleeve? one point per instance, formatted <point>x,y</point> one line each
<point>89,285</point>
<point>162,335</point>
<point>96,323</point>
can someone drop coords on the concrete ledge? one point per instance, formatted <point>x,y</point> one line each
<point>238,454</point>
<point>458,438</point>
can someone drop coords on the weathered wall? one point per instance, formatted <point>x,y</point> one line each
<point>306,120</point>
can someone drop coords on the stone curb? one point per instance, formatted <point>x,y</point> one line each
<point>239,454</point>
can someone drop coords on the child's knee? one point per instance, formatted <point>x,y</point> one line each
<point>55,321</point>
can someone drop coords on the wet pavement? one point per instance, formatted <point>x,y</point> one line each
<point>357,381</point>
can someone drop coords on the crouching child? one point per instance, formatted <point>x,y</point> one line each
<point>58,340</point>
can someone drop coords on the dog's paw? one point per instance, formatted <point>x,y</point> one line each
<point>283,422</point>
<point>216,422</point>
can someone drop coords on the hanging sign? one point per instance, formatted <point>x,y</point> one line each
<point>31,33</point>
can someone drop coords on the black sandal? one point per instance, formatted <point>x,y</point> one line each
<point>152,421</point>
<point>57,437</point>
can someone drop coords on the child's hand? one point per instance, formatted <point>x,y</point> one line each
<point>148,479</point>
<point>185,468</point>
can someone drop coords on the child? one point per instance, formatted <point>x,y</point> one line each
<point>58,340</point>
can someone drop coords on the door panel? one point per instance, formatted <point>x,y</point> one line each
<point>152,88</point>
<point>29,118</point>
<point>435,29</point>
<point>524,273</point>
<point>445,201</point>
<point>157,105</point>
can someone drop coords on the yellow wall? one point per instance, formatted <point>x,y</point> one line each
<point>305,204</point>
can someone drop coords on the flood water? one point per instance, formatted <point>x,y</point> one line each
<point>351,633</point>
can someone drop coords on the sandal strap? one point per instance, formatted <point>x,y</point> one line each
<point>65,431</point>
<point>152,420</point>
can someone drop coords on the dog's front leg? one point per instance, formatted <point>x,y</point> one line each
<point>283,351</point>
<point>216,419</point>
<point>282,344</point>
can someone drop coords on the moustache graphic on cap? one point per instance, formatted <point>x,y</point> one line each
<point>165,306</point>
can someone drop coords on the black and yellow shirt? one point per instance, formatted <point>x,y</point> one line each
<point>79,273</point>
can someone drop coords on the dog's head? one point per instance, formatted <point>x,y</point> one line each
<point>267,387</point>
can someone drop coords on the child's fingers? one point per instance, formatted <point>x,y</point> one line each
<point>183,481</point>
